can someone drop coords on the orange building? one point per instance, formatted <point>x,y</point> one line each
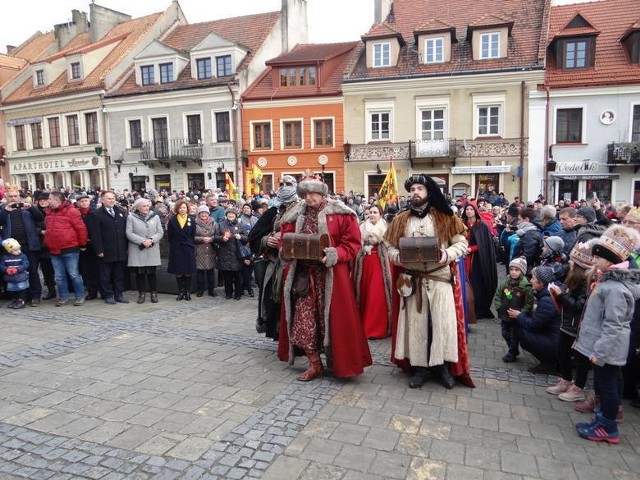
<point>293,115</point>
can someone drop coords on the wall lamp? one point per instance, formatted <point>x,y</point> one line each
<point>347,151</point>
<point>244,155</point>
<point>118,162</point>
<point>378,169</point>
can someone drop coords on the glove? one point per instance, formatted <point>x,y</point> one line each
<point>12,270</point>
<point>331,257</point>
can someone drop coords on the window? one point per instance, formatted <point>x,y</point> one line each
<point>575,54</point>
<point>380,125</point>
<point>135,133</point>
<point>489,120</point>
<point>204,68</point>
<point>490,45</point>
<point>223,127</point>
<point>73,133</point>
<point>91,121</point>
<point>632,45</point>
<point>54,131</point>
<point>21,139</point>
<point>75,71</point>
<point>434,50</point>
<point>381,54</point>
<point>166,72</point>
<point>223,65</point>
<point>160,138</point>
<point>148,77</point>
<point>292,134</point>
<point>291,77</point>
<point>635,126</point>
<point>323,133</point>
<point>569,125</point>
<point>262,135</point>
<point>39,78</point>
<point>36,135</point>
<point>432,124</point>
<point>193,129</point>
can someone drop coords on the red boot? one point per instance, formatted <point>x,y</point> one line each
<point>315,368</point>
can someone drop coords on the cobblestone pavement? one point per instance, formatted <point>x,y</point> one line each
<point>188,390</point>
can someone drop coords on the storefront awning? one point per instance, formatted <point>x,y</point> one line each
<point>585,176</point>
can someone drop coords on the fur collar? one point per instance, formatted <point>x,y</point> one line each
<point>333,207</point>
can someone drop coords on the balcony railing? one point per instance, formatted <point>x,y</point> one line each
<point>623,153</point>
<point>439,148</point>
<point>177,149</point>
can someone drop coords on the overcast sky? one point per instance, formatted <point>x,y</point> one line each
<point>329,20</point>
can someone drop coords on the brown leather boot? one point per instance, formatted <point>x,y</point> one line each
<point>315,368</point>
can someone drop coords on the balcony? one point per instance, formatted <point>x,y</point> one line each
<point>171,150</point>
<point>623,155</point>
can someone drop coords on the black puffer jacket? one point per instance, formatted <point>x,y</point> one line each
<point>572,307</point>
<point>228,258</point>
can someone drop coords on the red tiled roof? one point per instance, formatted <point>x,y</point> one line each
<point>129,33</point>
<point>382,30</point>
<point>9,61</point>
<point>250,31</point>
<point>410,16</point>
<point>32,49</point>
<point>333,59</point>
<point>611,19</point>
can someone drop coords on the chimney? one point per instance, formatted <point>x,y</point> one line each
<point>64,32</point>
<point>381,10</point>
<point>295,27</point>
<point>103,20</point>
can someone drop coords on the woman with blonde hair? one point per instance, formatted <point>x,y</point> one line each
<point>144,232</point>
<point>181,233</point>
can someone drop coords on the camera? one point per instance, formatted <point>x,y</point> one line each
<point>17,205</point>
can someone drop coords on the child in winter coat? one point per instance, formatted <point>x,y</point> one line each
<point>553,257</point>
<point>604,331</point>
<point>14,266</point>
<point>513,292</point>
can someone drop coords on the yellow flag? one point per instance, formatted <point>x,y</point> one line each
<point>230,188</point>
<point>256,183</point>
<point>388,193</point>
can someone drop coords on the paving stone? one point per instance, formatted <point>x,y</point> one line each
<point>518,463</point>
<point>355,457</point>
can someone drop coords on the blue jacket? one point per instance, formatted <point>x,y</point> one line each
<point>552,229</point>
<point>21,262</point>
<point>30,216</point>
<point>545,319</point>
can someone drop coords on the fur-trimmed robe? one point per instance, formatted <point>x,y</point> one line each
<point>441,300</point>
<point>345,345</point>
<point>374,235</point>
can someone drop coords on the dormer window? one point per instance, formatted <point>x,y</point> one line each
<point>223,66</point>
<point>76,74</point>
<point>166,73</point>
<point>298,76</point>
<point>147,75</point>
<point>434,50</point>
<point>40,78</point>
<point>575,53</point>
<point>632,46</point>
<point>203,66</point>
<point>381,55</point>
<point>490,45</point>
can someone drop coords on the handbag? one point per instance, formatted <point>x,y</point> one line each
<point>419,249</point>
<point>243,251</point>
<point>301,282</point>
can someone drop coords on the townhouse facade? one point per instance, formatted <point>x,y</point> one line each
<point>292,115</point>
<point>174,121</point>
<point>585,119</point>
<point>445,91</point>
<point>54,110</point>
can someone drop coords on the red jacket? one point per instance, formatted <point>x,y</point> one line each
<point>64,229</point>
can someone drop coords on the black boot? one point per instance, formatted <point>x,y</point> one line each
<point>180,283</point>
<point>154,297</point>
<point>141,297</point>
<point>446,378</point>
<point>250,292</point>
<point>418,378</point>
<point>187,295</point>
<point>212,292</point>
<point>200,293</point>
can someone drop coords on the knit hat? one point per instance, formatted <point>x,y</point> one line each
<point>544,274</point>
<point>232,210</point>
<point>555,244</point>
<point>311,183</point>
<point>616,244</point>
<point>10,244</point>
<point>519,263</point>
<point>581,254</point>
<point>587,213</point>
<point>203,208</point>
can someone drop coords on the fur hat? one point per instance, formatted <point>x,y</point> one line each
<point>588,213</point>
<point>544,274</point>
<point>10,244</point>
<point>311,183</point>
<point>581,254</point>
<point>616,244</point>
<point>203,208</point>
<point>555,244</point>
<point>519,263</point>
<point>232,210</point>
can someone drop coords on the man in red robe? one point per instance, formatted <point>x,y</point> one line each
<point>324,316</point>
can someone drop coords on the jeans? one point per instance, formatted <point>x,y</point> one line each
<point>35,286</point>
<point>607,382</point>
<point>67,264</point>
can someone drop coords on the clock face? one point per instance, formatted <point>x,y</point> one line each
<point>323,159</point>
<point>292,161</point>
<point>262,162</point>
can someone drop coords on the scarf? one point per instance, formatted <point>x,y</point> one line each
<point>372,234</point>
<point>182,220</point>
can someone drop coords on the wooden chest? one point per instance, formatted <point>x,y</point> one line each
<point>304,246</point>
<point>419,249</point>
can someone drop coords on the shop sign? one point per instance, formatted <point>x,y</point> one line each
<point>36,166</point>
<point>481,169</point>
<point>577,167</point>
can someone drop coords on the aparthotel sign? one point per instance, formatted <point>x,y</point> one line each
<point>17,167</point>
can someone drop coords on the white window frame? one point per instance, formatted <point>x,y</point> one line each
<point>375,107</point>
<point>431,47</point>
<point>289,120</point>
<point>489,100</point>
<point>39,72</point>
<point>127,131</point>
<point>46,141</point>
<point>312,130</point>
<point>379,51</point>
<point>214,126</point>
<point>71,78</point>
<point>251,129</point>
<point>185,126</point>
<point>197,60</point>
<point>83,127</point>
<point>491,40</point>
<point>633,106</point>
<point>173,72</point>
